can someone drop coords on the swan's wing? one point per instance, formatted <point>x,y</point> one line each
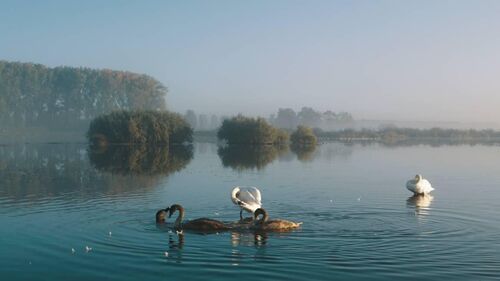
<point>426,186</point>
<point>249,198</point>
<point>256,194</point>
<point>411,185</point>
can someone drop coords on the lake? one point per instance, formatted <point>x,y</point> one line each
<point>69,213</point>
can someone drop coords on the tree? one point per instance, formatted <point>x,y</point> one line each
<point>191,118</point>
<point>67,98</point>
<point>303,136</point>
<point>139,127</point>
<point>214,122</point>
<point>202,122</point>
<point>245,130</point>
<point>286,118</point>
<point>309,117</point>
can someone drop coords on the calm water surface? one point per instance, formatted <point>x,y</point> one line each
<point>359,220</point>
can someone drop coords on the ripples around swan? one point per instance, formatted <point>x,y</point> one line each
<point>55,205</point>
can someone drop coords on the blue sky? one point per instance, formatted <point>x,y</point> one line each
<point>409,60</point>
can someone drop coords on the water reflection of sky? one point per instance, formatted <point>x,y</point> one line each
<point>359,220</point>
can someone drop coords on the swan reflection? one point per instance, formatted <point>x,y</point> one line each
<point>421,203</point>
<point>257,239</point>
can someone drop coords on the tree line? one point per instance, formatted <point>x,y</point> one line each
<point>287,118</point>
<point>203,122</point>
<point>33,95</point>
<point>401,134</point>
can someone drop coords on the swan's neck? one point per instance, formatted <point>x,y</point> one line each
<point>179,219</point>
<point>235,193</point>
<point>264,218</point>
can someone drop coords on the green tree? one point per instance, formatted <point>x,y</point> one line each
<point>246,130</point>
<point>303,136</point>
<point>139,127</point>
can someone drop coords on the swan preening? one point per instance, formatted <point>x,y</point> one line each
<point>419,185</point>
<point>247,198</point>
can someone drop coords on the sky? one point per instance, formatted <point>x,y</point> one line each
<point>406,60</point>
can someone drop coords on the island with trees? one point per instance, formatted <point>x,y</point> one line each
<point>139,127</point>
<point>253,131</point>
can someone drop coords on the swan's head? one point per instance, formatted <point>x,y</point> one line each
<point>173,208</point>
<point>257,213</point>
<point>418,177</point>
<point>160,215</point>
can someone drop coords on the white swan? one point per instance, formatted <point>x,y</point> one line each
<point>248,198</point>
<point>419,185</point>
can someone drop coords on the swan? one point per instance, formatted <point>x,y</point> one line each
<point>201,224</point>
<point>248,198</point>
<point>160,215</point>
<point>419,185</point>
<point>264,224</point>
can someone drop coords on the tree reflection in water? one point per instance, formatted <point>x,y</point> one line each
<point>245,157</point>
<point>34,172</point>
<point>140,159</point>
<point>305,153</point>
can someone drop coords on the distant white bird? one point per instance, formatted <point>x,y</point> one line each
<point>248,198</point>
<point>88,249</point>
<point>419,185</point>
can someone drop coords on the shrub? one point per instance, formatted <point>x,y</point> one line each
<point>245,130</point>
<point>139,127</point>
<point>303,136</point>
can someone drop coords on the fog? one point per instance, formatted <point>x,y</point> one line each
<point>423,64</point>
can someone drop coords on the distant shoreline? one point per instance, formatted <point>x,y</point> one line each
<point>387,136</point>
